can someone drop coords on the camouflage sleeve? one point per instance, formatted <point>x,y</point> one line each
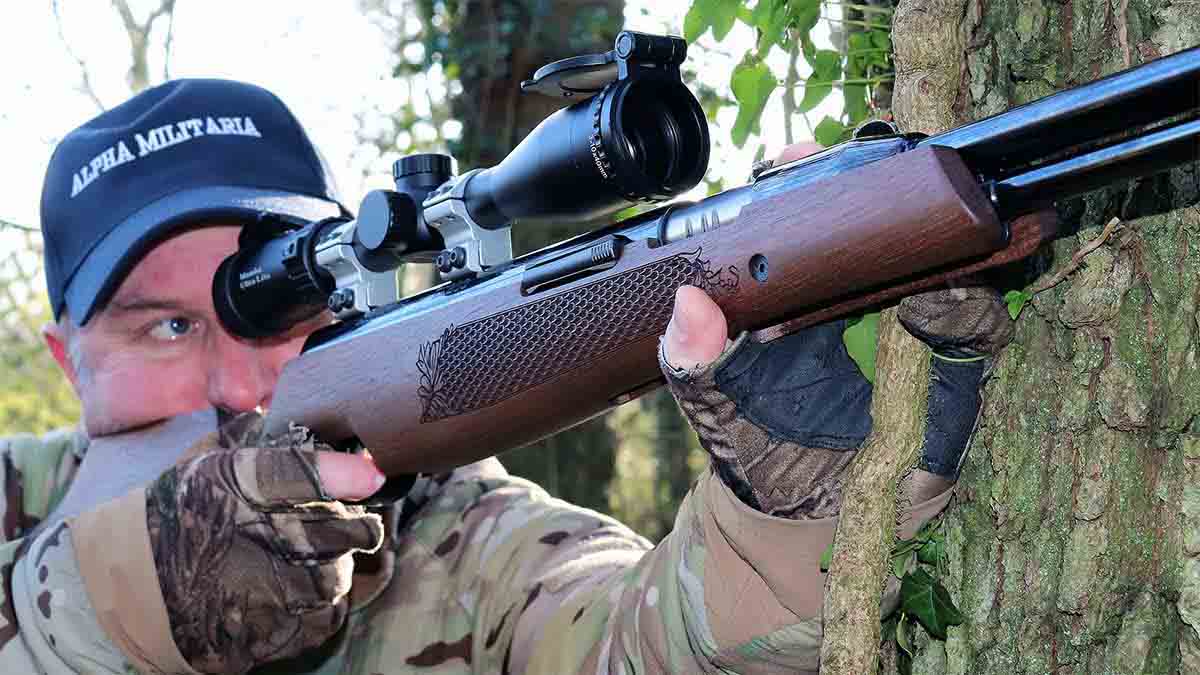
<point>35,472</point>
<point>47,624</point>
<point>551,588</point>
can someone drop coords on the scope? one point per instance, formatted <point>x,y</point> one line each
<point>637,135</point>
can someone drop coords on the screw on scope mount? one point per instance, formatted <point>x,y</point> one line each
<point>341,299</point>
<point>453,259</point>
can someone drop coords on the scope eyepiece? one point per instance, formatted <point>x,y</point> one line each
<point>272,283</point>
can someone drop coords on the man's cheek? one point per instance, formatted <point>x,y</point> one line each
<point>125,392</point>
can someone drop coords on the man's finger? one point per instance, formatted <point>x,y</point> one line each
<point>697,331</point>
<point>798,150</point>
<point>349,477</point>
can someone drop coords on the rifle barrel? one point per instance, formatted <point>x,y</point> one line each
<point>1129,99</point>
<point>1150,153</point>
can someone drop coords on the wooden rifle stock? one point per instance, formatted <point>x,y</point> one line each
<point>484,367</point>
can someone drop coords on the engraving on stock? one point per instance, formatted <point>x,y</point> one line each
<point>481,363</point>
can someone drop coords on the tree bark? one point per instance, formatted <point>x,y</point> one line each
<point>1074,541</point>
<point>866,528</point>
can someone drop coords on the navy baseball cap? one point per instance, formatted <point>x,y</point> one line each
<point>172,157</point>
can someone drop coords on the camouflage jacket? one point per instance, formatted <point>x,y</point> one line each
<point>486,574</point>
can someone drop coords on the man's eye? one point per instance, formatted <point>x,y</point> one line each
<point>174,328</point>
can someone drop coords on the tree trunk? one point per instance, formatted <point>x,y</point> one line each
<point>1073,542</point>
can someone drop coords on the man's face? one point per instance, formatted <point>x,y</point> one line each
<point>158,350</point>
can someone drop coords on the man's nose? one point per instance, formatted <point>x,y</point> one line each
<point>242,375</point>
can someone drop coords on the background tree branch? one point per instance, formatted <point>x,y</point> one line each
<point>867,526</point>
<point>85,82</point>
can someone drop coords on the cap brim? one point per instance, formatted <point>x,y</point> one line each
<point>106,265</point>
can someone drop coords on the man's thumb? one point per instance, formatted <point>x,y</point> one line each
<point>697,332</point>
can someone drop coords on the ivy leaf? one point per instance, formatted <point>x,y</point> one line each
<point>881,40</point>
<point>928,601</point>
<point>804,14</point>
<point>752,84</point>
<point>827,557</point>
<point>829,131</point>
<point>770,17</point>
<point>724,15</point>
<point>933,551</point>
<point>719,15</point>
<point>859,338</point>
<point>899,563</point>
<point>859,46</point>
<point>902,639</point>
<point>1016,302</point>
<point>695,22</point>
<point>827,69</point>
<point>856,102</point>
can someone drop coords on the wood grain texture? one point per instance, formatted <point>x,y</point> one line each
<point>891,219</point>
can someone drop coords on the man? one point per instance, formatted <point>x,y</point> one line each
<point>155,545</point>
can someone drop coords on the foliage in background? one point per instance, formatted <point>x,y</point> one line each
<point>860,67</point>
<point>35,396</point>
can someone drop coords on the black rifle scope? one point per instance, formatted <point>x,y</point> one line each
<point>637,135</point>
<point>640,137</point>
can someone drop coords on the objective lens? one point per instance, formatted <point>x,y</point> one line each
<point>664,135</point>
<point>644,139</point>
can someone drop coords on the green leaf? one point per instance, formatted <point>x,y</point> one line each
<point>829,131</point>
<point>770,17</point>
<point>881,40</point>
<point>860,337</point>
<point>827,69</point>
<point>696,21</point>
<point>752,84</point>
<point>928,601</point>
<point>932,552</point>
<point>857,55</point>
<point>719,15</point>
<point>856,102</point>
<point>724,16</point>
<point>804,15</point>
<point>902,639</point>
<point>827,557</point>
<point>1016,302</point>
<point>899,563</point>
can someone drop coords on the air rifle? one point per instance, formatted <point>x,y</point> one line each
<point>510,350</point>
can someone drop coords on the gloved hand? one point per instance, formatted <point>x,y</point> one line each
<point>249,547</point>
<point>253,557</point>
<point>783,420</point>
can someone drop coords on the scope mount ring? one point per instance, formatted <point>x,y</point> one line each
<point>446,211</point>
